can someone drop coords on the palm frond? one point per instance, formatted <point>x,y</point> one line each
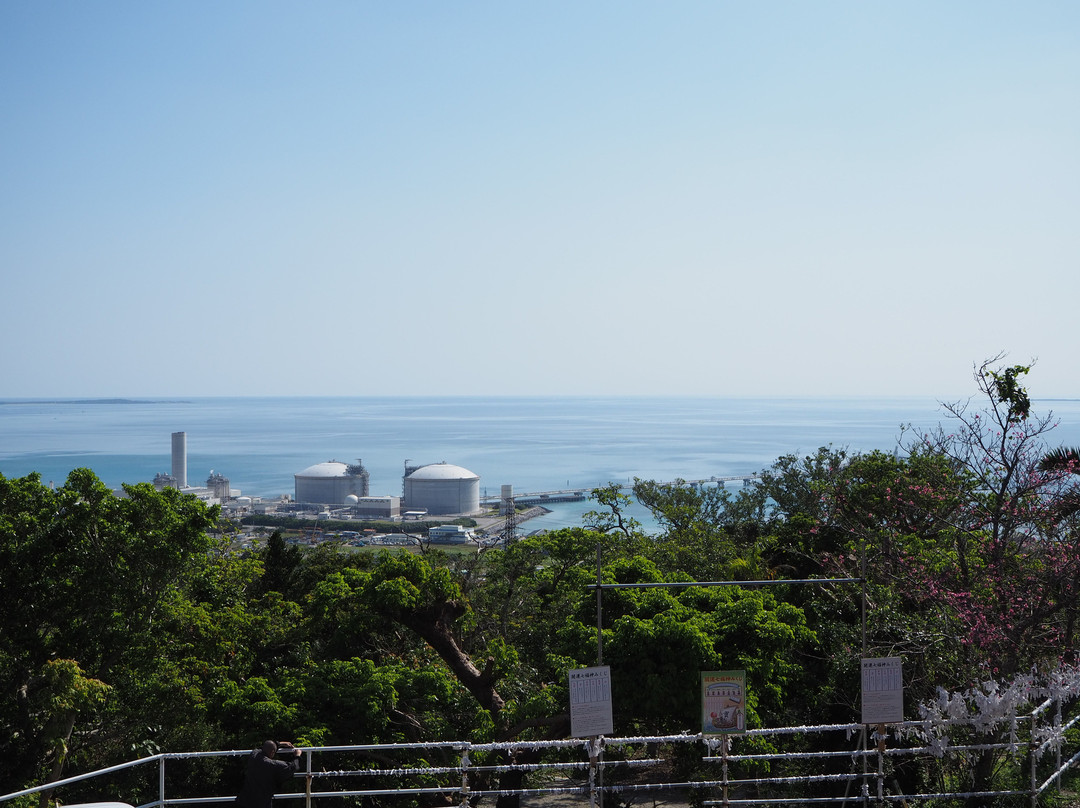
<point>1062,459</point>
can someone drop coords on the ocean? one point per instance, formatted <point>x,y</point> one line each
<point>533,443</point>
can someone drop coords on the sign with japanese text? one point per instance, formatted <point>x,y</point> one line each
<point>723,702</point>
<point>590,702</point>
<point>882,690</point>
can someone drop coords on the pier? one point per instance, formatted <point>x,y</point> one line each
<point>581,494</point>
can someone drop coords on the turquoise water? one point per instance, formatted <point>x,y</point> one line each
<point>533,443</point>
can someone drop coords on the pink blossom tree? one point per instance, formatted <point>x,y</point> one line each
<point>968,527</point>
<point>970,545</point>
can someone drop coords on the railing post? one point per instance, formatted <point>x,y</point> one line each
<point>864,747</point>
<point>161,781</point>
<point>600,771</point>
<point>465,763</point>
<point>881,763</point>
<point>1057,746</point>
<point>591,746</point>
<point>595,746</point>
<point>1031,762</point>
<point>724,767</point>
<point>307,779</point>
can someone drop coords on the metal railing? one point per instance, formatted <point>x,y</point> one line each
<point>852,764</point>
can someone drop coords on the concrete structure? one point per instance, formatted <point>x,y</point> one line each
<point>442,488</point>
<point>331,483</point>
<point>380,507</point>
<point>179,459</point>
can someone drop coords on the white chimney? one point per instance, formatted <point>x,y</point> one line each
<point>179,459</point>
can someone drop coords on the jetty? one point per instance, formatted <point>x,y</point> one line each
<point>580,494</point>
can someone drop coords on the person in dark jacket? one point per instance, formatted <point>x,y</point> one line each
<point>265,774</point>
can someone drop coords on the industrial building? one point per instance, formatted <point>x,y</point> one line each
<point>435,489</point>
<point>375,507</point>
<point>450,534</point>
<point>441,488</point>
<point>218,484</point>
<point>217,490</point>
<point>332,483</point>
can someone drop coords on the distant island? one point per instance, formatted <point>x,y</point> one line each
<point>91,401</point>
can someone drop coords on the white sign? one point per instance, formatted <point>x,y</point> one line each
<point>882,690</point>
<point>590,702</point>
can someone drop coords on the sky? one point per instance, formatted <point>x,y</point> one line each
<point>552,198</point>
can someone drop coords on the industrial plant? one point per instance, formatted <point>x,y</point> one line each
<point>215,492</point>
<point>435,489</point>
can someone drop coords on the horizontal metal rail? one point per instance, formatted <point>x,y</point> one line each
<point>685,584</point>
<point>588,763</point>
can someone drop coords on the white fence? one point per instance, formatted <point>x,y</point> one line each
<point>835,764</point>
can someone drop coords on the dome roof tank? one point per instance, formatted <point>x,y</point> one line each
<point>442,488</point>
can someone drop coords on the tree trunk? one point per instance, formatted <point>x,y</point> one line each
<point>982,775</point>
<point>63,738</point>
<point>434,627</point>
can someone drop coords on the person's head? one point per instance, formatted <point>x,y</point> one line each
<point>269,748</point>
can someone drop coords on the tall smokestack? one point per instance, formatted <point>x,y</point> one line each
<point>179,459</point>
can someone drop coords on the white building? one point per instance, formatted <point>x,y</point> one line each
<point>449,534</point>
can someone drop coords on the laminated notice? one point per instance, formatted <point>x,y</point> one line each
<point>590,702</point>
<point>882,690</point>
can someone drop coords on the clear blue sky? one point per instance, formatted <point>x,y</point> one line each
<point>716,198</point>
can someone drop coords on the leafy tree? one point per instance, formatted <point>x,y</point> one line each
<point>1013,565</point>
<point>694,538</point>
<point>280,561</point>
<point>973,566</point>
<point>611,517</point>
<point>658,640</point>
<point>789,507</point>
<point>89,575</point>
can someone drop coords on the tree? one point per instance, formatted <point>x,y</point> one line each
<point>279,563</point>
<point>693,539</point>
<point>786,513</point>
<point>973,566</point>
<point>611,517</point>
<point>89,575</point>
<point>1013,569</point>
<point>967,526</point>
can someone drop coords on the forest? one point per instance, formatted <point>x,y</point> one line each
<point>129,629</point>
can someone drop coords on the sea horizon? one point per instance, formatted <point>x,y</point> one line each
<point>534,443</point>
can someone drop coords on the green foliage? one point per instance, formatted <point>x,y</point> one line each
<point>90,575</point>
<point>610,517</point>
<point>695,538</point>
<point>280,562</point>
<point>1007,390</point>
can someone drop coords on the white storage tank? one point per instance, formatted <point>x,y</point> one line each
<point>442,488</point>
<point>331,483</point>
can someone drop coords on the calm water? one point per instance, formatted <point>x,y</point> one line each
<point>533,443</point>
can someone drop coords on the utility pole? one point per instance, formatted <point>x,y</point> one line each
<point>509,531</point>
